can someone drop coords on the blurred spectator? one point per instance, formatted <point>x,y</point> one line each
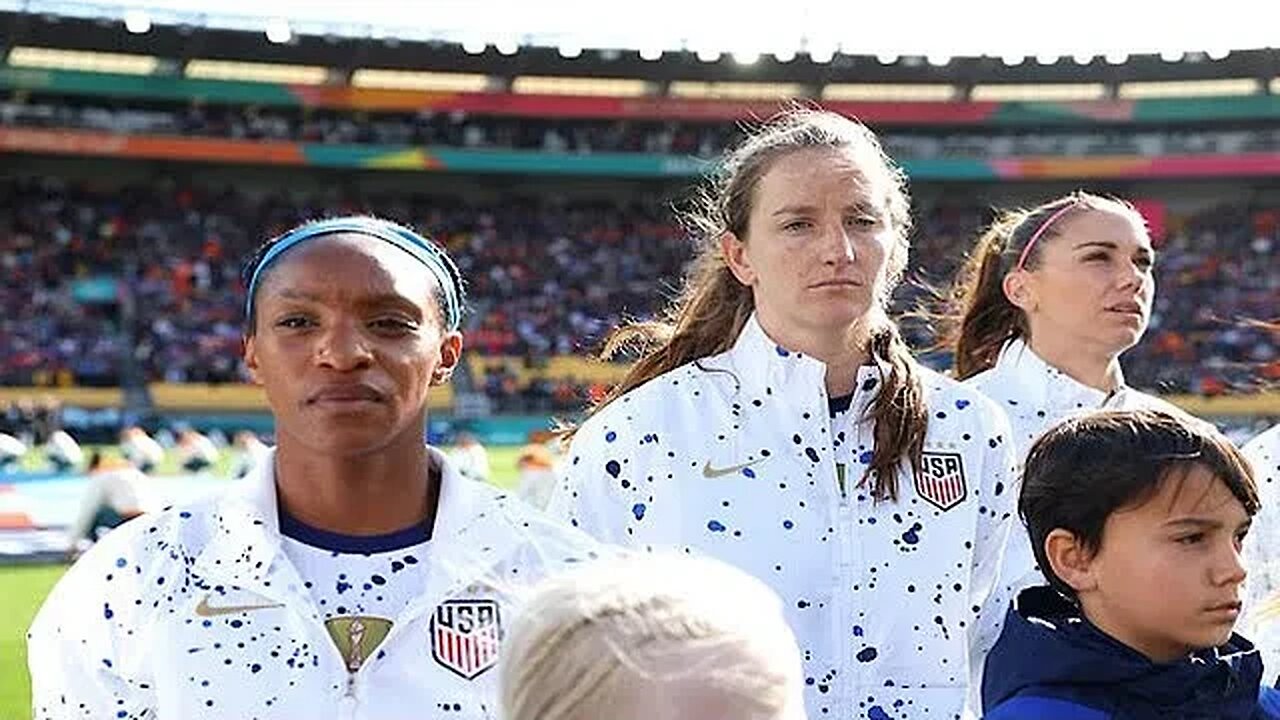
<point>537,468</point>
<point>703,139</point>
<point>470,457</point>
<point>11,451</point>
<point>140,449</point>
<point>64,452</point>
<point>195,451</point>
<point>110,499</point>
<point>251,450</point>
<point>547,277</point>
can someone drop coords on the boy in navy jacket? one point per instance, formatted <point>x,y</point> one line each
<point>1136,519</point>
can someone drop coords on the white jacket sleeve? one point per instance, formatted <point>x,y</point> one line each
<point>91,666</point>
<point>989,592</point>
<point>585,495</point>
<point>1262,554</point>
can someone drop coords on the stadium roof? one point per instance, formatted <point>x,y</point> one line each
<point>934,28</point>
<point>812,41</point>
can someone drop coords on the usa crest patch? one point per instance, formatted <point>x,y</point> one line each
<point>941,480</point>
<point>465,635</point>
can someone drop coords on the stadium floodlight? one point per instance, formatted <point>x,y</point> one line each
<point>137,22</point>
<point>1012,59</point>
<point>570,52</point>
<point>1172,56</point>
<point>507,46</point>
<point>1218,53</point>
<point>887,58</point>
<point>822,54</point>
<point>785,55</point>
<point>650,54</point>
<point>278,31</point>
<point>1117,58</point>
<point>474,46</point>
<point>938,60</point>
<point>746,57</point>
<point>708,55</point>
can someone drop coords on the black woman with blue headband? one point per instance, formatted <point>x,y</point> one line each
<point>1047,302</point>
<point>353,572</point>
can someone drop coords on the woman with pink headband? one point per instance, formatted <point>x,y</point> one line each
<point>1045,305</point>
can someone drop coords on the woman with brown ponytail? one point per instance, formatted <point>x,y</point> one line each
<point>1046,304</point>
<point>776,420</point>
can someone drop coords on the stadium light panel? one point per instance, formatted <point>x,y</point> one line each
<point>1038,92</point>
<point>202,69</point>
<point>1223,87</point>
<point>556,85</point>
<point>82,60</point>
<point>137,22</point>
<point>822,54</point>
<point>889,92</point>
<point>278,32</point>
<point>412,80</point>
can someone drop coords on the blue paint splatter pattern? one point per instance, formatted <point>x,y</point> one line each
<point>235,630</point>
<point>904,562</point>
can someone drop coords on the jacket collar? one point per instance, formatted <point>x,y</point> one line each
<point>244,543</point>
<point>1042,385</point>
<point>763,366</point>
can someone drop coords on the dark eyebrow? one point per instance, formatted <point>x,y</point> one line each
<point>290,294</point>
<point>1194,522</point>
<point>1204,523</point>
<point>379,300</point>
<point>1096,243</point>
<point>1109,245</point>
<point>861,206</point>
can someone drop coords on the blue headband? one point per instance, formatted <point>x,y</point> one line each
<point>422,249</point>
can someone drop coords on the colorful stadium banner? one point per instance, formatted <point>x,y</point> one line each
<point>532,162</point>
<point>179,89</point>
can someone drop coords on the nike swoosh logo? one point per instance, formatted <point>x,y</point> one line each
<point>710,472</point>
<point>204,609</point>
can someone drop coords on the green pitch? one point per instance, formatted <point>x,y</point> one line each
<point>23,588</point>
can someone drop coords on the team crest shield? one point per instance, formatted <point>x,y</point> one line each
<point>465,635</point>
<point>941,480</point>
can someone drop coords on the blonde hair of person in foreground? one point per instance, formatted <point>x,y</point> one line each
<point>652,637</point>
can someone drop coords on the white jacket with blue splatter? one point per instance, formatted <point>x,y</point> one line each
<point>734,456</point>
<point>1262,555</point>
<point>197,613</point>
<point>1036,396</point>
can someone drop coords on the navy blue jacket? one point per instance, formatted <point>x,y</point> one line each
<point>1052,664</point>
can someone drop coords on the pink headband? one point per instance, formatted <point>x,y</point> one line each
<point>1026,251</point>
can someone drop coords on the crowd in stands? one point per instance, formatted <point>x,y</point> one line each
<point>701,139</point>
<point>545,278</point>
